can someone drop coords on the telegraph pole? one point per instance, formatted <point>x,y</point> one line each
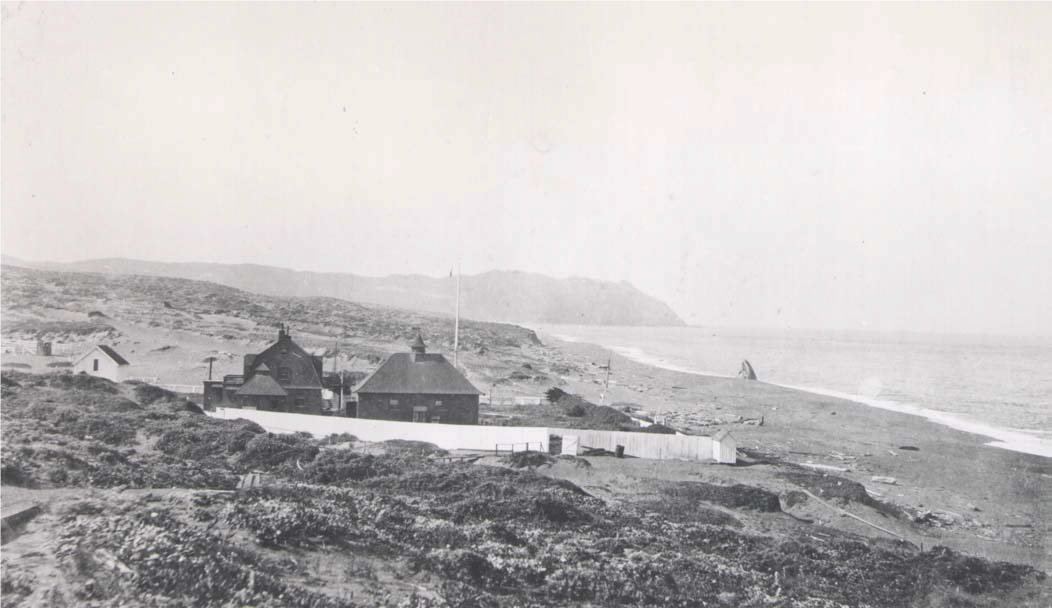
<point>456,324</point>
<point>606,385</point>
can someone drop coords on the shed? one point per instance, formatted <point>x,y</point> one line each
<point>104,362</point>
<point>724,447</point>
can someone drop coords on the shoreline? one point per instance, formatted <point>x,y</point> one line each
<point>1026,441</point>
<point>909,460</point>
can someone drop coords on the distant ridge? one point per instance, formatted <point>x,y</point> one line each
<point>498,295</point>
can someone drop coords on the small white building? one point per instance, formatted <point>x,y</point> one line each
<point>104,362</point>
<point>724,448</point>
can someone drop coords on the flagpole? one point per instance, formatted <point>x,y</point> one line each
<point>456,325</point>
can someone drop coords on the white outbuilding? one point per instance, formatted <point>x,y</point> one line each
<point>724,448</point>
<point>104,362</point>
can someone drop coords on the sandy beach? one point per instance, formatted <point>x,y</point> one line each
<point>1009,492</point>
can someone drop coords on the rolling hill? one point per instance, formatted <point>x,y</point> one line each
<point>491,296</point>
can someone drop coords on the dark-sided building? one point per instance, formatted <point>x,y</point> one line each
<point>284,377</point>
<point>418,386</point>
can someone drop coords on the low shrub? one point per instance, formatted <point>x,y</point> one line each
<point>340,466</point>
<point>414,449</point>
<point>147,394</point>
<point>528,459</point>
<point>147,557</point>
<point>265,451</point>
<point>81,382</point>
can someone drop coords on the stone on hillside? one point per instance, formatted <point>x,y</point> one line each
<point>746,371</point>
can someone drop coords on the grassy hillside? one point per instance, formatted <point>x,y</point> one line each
<point>33,298</point>
<point>337,527</point>
<point>491,296</point>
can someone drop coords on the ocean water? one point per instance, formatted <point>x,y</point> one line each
<point>1000,387</point>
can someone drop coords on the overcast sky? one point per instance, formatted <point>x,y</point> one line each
<point>808,166</point>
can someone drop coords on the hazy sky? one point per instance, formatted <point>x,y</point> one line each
<point>769,165</point>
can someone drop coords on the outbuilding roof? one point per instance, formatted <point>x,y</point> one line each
<point>109,352</point>
<point>417,373</point>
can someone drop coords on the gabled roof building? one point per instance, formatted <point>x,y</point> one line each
<point>284,377</point>
<point>418,386</point>
<point>102,361</point>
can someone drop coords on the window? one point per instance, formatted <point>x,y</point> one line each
<point>95,365</point>
<point>419,414</point>
<point>436,419</point>
<point>393,402</point>
<point>438,403</point>
<point>284,374</point>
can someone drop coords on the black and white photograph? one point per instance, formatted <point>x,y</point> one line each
<point>526,304</point>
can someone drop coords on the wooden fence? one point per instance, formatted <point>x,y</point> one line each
<point>656,446</point>
<point>494,438</point>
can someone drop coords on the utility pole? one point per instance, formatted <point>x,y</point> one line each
<point>456,324</point>
<point>342,406</point>
<point>606,385</point>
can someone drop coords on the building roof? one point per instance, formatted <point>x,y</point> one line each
<point>417,373</point>
<point>262,385</point>
<point>300,363</point>
<point>106,350</point>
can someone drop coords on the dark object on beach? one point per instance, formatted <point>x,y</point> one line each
<point>619,451</point>
<point>911,448</point>
<point>746,371</point>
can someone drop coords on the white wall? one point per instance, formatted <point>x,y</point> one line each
<point>645,445</point>
<point>446,436</point>
<point>725,450</point>
<point>473,437</point>
<point>108,368</point>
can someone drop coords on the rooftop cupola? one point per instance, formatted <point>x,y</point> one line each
<point>418,347</point>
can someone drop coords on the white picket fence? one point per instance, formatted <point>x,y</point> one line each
<point>511,400</point>
<point>185,389</point>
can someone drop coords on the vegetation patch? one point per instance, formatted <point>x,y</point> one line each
<point>528,459</point>
<point>474,535</point>
<point>269,450</point>
<point>839,489</point>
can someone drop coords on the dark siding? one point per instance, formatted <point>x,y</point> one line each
<point>454,409</point>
